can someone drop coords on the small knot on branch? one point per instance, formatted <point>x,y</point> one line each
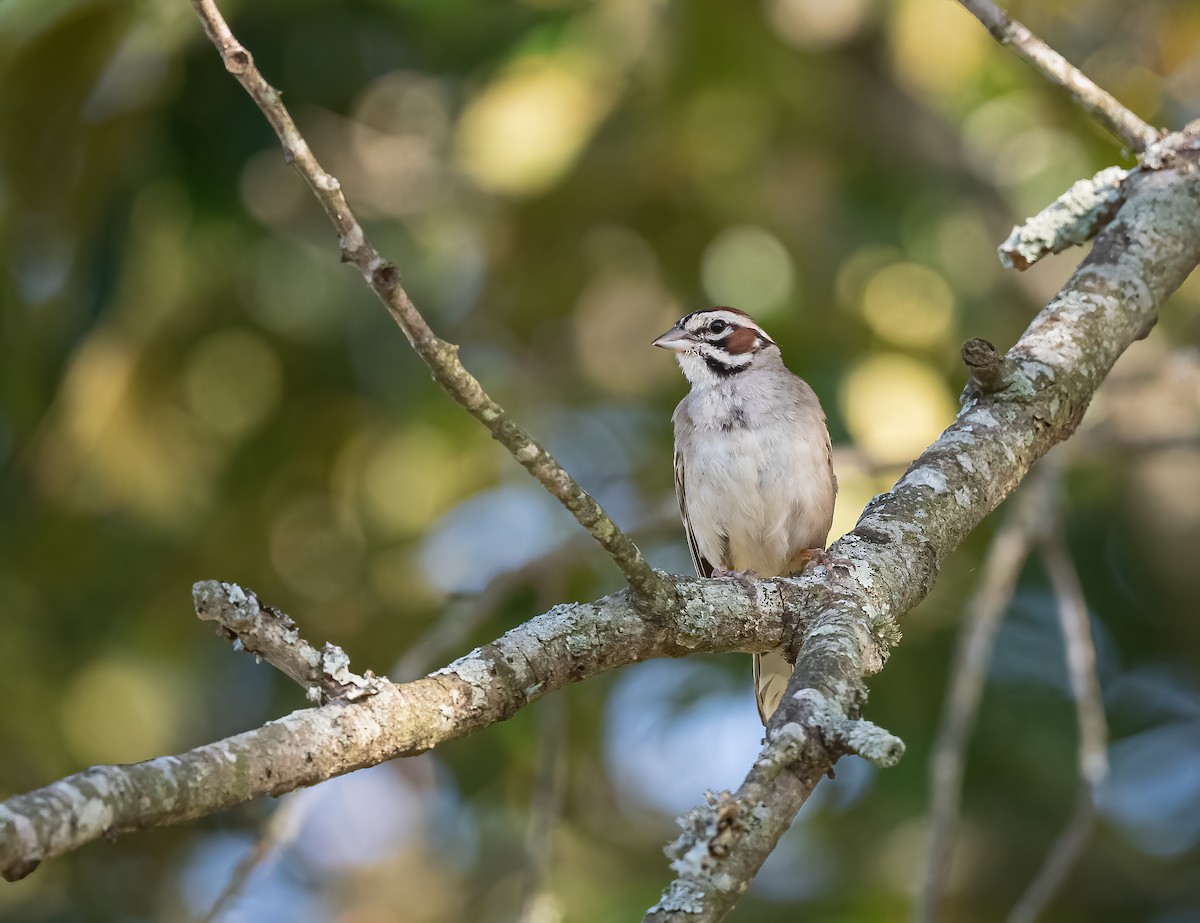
<point>988,372</point>
<point>238,61</point>
<point>385,277</point>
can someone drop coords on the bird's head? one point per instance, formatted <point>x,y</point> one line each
<point>714,344</point>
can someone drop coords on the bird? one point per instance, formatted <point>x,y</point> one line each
<point>753,463</point>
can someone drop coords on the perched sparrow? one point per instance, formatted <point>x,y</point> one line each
<point>753,462</point>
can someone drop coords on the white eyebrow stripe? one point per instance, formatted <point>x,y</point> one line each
<point>701,319</point>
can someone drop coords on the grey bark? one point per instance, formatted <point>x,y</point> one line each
<point>890,560</point>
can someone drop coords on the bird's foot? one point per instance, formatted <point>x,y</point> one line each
<point>817,557</point>
<point>741,576</point>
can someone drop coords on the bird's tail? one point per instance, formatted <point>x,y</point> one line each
<point>771,675</point>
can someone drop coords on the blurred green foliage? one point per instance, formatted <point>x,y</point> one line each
<point>192,387</point>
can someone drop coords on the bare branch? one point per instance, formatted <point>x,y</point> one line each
<point>280,829</point>
<point>539,904</point>
<point>1029,520</point>
<point>839,620</point>
<point>563,646</point>
<point>888,563</point>
<point>1058,70</point>
<point>1081,662</point>
<point>439,355</point>
<point>1072,219</point>
<point>1059,862</point>
<point>1093,731</point>
<point>273,636</point>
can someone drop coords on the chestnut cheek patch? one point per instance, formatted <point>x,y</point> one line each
<point>741,341</point>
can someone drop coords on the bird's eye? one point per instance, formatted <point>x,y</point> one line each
<point>717,326</point>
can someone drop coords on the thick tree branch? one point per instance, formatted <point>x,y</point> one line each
<point>840,619</point>
<point>441,356</point>
<point>889,562</point>
<point>565,645</point>
<point>1057,69</point>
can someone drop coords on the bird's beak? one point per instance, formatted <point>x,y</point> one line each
<point>676,340</point>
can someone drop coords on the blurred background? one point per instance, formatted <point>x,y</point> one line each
<point>192,387</point>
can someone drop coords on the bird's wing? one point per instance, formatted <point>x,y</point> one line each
<point>703,567</point>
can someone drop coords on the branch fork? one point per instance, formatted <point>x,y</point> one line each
<point>844,622</point>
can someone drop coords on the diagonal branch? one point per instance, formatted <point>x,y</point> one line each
<point>840,620</point>
<point>441,356</point>
<point>1054,67</point>
<point>565,645</point>
<point>889,562</point>
<point>1015,540</point>
<point>1080,653</point>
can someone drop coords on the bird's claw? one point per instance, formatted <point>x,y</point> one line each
<point>819,557</point>
<point>741,576</point>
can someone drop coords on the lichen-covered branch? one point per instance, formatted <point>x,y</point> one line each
<point>270,634</point>
<point>839,619</point>
<point>1054,67</point>
<point>889,562</point>
<point>441,356</point>
<point>1072,219</point>
<point>565,645</point>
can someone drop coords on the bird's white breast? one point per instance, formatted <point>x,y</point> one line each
<point>758,486</point>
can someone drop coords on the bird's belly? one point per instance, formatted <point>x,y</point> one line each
<point>756,498</point>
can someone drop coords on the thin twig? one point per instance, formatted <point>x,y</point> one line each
<point>438,354</point>
<point>1054,67</point>
<point>1013,543</point>
<point>540,904</point>
<point>1080,653</point>
<point>1059,861</point>
<point>279,830</point>
<point>1081,662</point>
<point>271,634</point>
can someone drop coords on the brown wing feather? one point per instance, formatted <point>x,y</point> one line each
<point>703,567</point>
